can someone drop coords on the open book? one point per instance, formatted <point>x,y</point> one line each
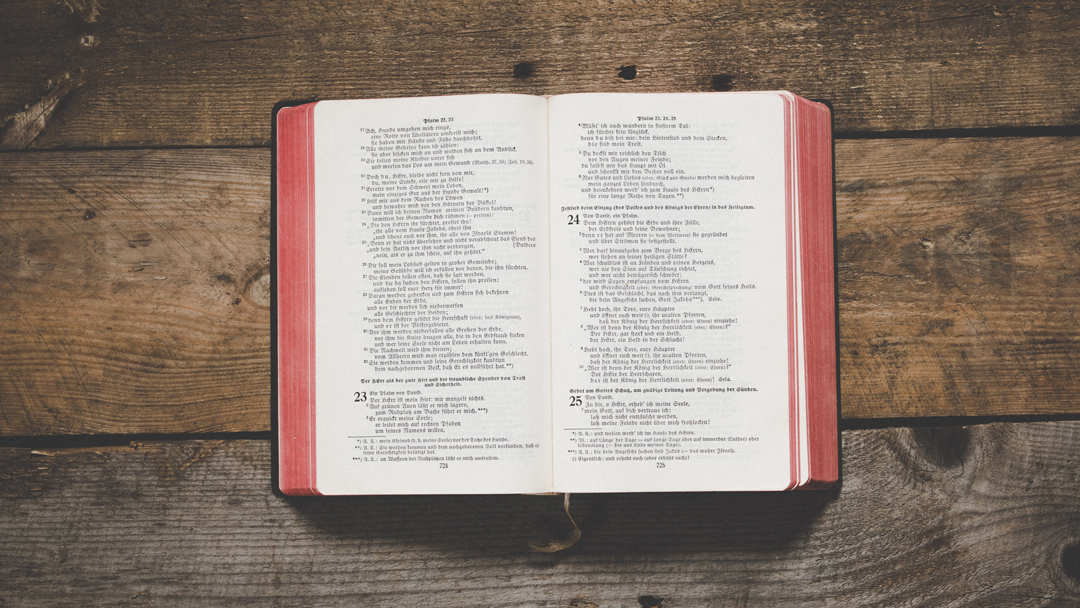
<point>581,293</point>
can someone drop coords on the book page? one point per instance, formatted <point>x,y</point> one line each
<point>669,292</point>
<point>432,337</point>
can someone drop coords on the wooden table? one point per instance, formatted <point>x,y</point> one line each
<point>135,296</point>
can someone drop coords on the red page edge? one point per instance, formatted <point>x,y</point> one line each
<point>296,300</point>
<point>817,234</point>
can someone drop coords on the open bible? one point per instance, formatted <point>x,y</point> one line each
<point>581,293</point>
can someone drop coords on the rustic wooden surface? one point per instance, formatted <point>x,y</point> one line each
<point>978,516</point>
<point>137,287</point>
<point>172,73</point>
<point>958,266</point>
<point>135,292</point>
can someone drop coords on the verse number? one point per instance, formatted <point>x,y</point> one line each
<point>661,465</point>
<point>573,219</point>
<point>575,400</point>
<point>361,397</point>
<point>443,465</point>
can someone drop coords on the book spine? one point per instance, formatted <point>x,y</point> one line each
<point>296,299</point>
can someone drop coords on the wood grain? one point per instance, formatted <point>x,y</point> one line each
<point>163,73</point>
<point>959,276</point>
<point>959,263</point>
<point>134,292</point>
<point>960,516</point>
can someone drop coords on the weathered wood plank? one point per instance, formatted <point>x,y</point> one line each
<point>976,516</point>
<point>134,292</point>
<point>958,268</point>
<point>170,73</point>
<point>958,272</point>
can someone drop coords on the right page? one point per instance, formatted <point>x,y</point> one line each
<point>672,289</point>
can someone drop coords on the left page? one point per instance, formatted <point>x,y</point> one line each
<point>432,341</point>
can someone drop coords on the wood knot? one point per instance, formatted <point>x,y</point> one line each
<point>524,69</point>
<point>945,448</point>
<point>258,291</point>
<point>23,128</point>
<point>722,82</point>
<point>1070,561</point>
<point>926,244</point>
<point>650,601</point>
<point>628,72</point>
<point>88,215</point>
